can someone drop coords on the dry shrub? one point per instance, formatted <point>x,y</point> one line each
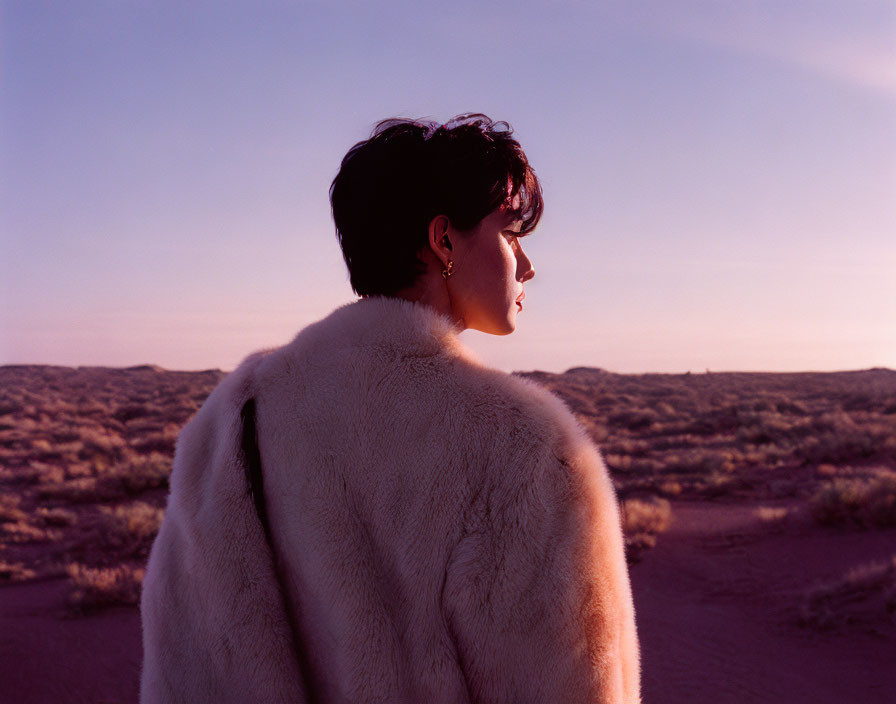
<point>863,502</point>
<point>74,491</point>
<point>686,427</point>
<point>74,470</point>
<point>132,411</point>
<point>865,598</point>
<point>121,481</point>
<point>618,463</point>
<point>9,509</point>
<point>670,488</point>
<point>97,588</point>
<point>23,531</point>
<point>15,572</point>
<point>20,475</point>
<point>15,524</point>
<point>36,472</point>
<point>769,429</point>
<point>643,465</point>
<point>66,435</point>
<point>649,514</point>
<point>633,419</point>
<point>837,446</point>
<point>128,530</point>
<point>99,441</point>
<point>642,519</point>
<point>721,484</point>
<point>49,473</point>
<point>665,409</point>
<point>772,514</point>
<point>628,446</point>
<point>57,517</point>
<point>139,475</point>
<point>161,441</point>
<point>826,470</point>
<point>41,446</point>
<point>880,508</point>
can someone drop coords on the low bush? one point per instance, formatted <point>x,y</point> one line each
<point>23,531</point>
<point>863,502</point>
<point>60,517</point>
<point>863,598</point>
<point>772,514</point>
<point>642,520</point>
<point>121,481</point>
<point>9,509</point>
<point>127,531</point>
<point>15,572</point>
<point>97,588</point>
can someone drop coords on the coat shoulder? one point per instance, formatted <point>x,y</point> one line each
<point>534,412</point>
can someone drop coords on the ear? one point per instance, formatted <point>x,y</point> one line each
<point>440,237</point>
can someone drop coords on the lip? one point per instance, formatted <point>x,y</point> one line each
<point>519,299</point>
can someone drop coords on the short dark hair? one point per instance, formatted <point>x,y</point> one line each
<point>391,186</point>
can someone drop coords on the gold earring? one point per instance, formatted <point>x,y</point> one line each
<point>447,272</point>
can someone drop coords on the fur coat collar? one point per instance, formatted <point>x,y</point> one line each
<point>423,529</point>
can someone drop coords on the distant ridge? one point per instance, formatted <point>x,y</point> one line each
<point>136,369</point>
<point>583,372</point>
<point>597,372</point>
<point>590,371</point>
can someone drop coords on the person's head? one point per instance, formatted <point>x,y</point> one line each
<point>417,195</point>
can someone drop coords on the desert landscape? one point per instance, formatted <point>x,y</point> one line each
<point>759,511</point>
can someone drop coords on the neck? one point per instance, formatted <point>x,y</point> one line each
<point>431,290</point>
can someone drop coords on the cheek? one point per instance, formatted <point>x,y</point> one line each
<point>503,270</point>
<point>493,278</point>
<point>489,266</point>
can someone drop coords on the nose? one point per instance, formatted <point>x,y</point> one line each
<point>524,268</point>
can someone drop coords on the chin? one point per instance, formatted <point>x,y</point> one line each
<point>505,328</point>
<point>494,323</point>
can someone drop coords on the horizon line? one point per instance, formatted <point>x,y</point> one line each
<point>580,368</point>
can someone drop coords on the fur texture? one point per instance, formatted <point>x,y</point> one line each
<point>445,533</point>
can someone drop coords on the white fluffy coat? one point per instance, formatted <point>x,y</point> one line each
<point>446,533</point>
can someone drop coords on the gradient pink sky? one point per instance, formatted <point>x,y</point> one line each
<point>720,178</point>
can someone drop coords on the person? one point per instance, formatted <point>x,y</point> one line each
<point>369,513</point>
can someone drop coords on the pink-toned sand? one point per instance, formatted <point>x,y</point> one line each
<point>47,656</point>
<point>716,603</point>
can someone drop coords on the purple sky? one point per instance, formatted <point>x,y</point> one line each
<point>720,178</point>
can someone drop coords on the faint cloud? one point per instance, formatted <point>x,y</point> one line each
<point>847,41</point>
<point>853,41</point>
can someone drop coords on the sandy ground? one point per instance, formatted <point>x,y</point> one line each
<point>46,656</point>
<point>716,602</point>
<point>716,606</point>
